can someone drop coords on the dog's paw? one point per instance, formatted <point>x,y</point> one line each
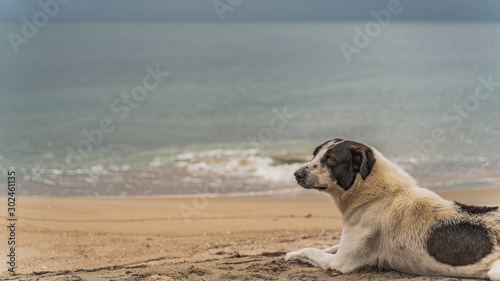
<point>298,255</point>
<point>292,256</point>
<point>311,256</point>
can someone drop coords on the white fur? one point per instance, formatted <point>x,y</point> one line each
<point>494,273</point>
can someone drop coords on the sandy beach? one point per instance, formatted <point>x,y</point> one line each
<point>183,239</point>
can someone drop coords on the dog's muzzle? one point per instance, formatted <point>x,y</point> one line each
<point>302,179</point>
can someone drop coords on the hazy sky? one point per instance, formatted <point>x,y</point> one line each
<point>233,10</point>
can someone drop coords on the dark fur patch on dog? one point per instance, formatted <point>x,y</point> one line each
<point>349,159</point>
<point>475,210</point>
<point>323,144</point>
<point>459,244</point>
<point>319,148</point>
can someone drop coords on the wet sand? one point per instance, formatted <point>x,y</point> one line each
<point>183,239</point>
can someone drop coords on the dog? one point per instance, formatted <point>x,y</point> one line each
<point>390,222</point>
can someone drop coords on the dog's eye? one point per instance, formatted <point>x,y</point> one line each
<point>330,160</point>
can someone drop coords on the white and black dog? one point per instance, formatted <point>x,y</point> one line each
<point>390,222</point>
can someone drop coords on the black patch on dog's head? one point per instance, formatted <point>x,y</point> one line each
<point>346,159</point>
<point>475,210</point>
<point>459,244</point>
<point>317,149</point>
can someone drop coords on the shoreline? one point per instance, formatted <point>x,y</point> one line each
<point>296,192</point>
<point>227,187</point>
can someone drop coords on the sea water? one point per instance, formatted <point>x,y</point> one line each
<point>235,107</point>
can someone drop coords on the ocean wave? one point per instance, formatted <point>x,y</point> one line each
<point>232,172</point>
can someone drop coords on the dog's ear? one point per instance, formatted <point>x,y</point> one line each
<point>362,159</point>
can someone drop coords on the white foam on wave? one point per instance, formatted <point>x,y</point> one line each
<point>234,163</point>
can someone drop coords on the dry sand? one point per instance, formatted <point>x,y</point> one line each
<point>183,239</point>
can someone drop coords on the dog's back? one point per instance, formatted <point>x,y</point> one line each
<point>420,224</point>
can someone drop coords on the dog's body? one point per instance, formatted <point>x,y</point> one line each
<point>390,222</point>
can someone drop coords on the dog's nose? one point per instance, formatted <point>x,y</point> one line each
<point>300,173</point>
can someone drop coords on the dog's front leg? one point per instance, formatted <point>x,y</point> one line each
<point>347,258</point>
<point>355,250</point>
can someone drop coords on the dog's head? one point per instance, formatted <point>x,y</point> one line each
<point>336,163</point>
